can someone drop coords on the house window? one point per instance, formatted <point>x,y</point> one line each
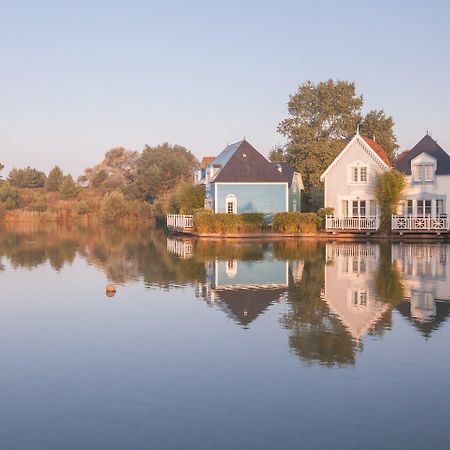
<point>420,207</point>
<point>363,174</point>
<point>231,204</point>
<point>424,208</point>
<point>344,208</point>
<point>409,207</point>
<point>418,172</point>
<point>358,208</point>
<point>373,207</point>
<point>429,172</point>
<point>359,175</point>
<point>440,207</point>
<point>428,207</point>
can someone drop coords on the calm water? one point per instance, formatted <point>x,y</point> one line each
<point>219,345</point>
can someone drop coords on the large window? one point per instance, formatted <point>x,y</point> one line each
<point>424,208</point>
<point>423,172</point>
<point>358,208</point>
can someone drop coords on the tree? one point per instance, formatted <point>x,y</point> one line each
<point>159,169</point>
<point>389,189</point>
<point>379,128</point>
<point>27,178</point>
<point>1,168</point>
<point>54,179</point>
<point>68,188</point>
<point>113,207</point>
<point>9,195</point>
<point>118,162</point>
<point>277,154</point>
<point>189,198</point>
<point>323,117</point>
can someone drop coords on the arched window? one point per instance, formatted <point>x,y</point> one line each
<point>231,204</point>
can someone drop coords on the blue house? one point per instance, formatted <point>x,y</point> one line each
<point>241,180</point>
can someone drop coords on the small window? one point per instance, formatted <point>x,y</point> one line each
<point>355,209</point>
<point>420,207</point>
<point>409,207</point>
<point>373,207</point>
<point>231,204</point>
<point>344,208</point>
<point>418,172</point>
<point>429,172</point>
<point>354,174</point>
<point>363,174</point>
<point>362,208</point>
<point>428,207</point>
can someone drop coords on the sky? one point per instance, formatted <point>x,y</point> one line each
<point>80,77</point>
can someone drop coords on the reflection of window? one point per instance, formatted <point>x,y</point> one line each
<point>231,204</point>
<point>231,268</point>
<point>359,298</point>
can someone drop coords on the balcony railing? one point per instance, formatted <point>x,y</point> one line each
<point>413,223</point>
<point>179,221</point>
<point>368,223</point>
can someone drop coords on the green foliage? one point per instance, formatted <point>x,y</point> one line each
<point>9,195</point>
<point>207,222</point>
<point>277,154</point>
<point>27,178</point>
<point>190,198</point>
<point>378,127</point>
<point>54,179</point>
<point>161,168</point>
<point>83,208</point>
<point>68,188</point>
<point>295,222</point>
<point>113,207</point>
<point>321,214</point>
<point>388,280</point>
<point>38,204</point>
<point>323,117</point>
<point>389,189</point>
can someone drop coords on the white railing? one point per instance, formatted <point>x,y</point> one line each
<point>412,223</point>
<point>352,223</point>
<point>179,221</point>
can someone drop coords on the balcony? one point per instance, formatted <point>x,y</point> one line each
<point>420,224</point>
<point>352,224</point>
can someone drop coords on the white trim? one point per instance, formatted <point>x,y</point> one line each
<point>231,198</point>
<point>215,199</point>
<point>249,182</point>
<point>287,197</point>
<point>365,146</point>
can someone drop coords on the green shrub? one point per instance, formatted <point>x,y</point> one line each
<point>9,195</point>
<point>113,207</point>
<point>68,188</point>
<point>208,222</point>
<point>294,222</point>
<point>2,211</point>
<point>145,211</point>
<point>38,204</point>
<point>322,213</point>
<point>83,208</point>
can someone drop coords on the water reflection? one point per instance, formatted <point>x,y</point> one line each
<point>331,295</point>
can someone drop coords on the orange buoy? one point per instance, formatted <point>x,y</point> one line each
<point>110,290</point>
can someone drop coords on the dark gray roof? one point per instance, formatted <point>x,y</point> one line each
<point>286,170</point>
<point>429,146</point>
<point>241,163</point>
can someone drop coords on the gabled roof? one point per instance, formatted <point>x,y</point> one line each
<point>379,151</point>
<point>242,163</point>
<point>429,146</point>
<point>378,154</point>
<point>205,161</point>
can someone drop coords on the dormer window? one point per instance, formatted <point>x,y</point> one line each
<point>423,173</point>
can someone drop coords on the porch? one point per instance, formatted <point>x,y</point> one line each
<point>179,222</point>
<point>402,224</point>
<point>352,224</point>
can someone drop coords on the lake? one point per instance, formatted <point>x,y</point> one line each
<point>221,344</point>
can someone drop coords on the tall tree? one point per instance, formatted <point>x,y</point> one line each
<point>54,179</point>
<point>323,117</point>
<point>379,127</point>
<point>27,178</point>
<point>159,170</point>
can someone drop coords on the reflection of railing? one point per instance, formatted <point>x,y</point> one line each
<point>357,249</point>
<point>179,221</point>
<point>352,223</point>
<point>412,223</point>
<point>181,248</point>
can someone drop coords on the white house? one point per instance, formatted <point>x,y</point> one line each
<point>426,199</point>
<point>349,183</point>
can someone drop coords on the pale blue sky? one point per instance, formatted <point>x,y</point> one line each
<point>80,77</point>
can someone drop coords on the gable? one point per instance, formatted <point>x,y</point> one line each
<point>247,165</point>
<point>360,147</point>
<point>427,145</point>
<point>423,158</point>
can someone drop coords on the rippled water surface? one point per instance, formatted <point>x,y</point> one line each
<point>221,345</point>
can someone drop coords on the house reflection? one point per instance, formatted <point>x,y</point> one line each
<point>426,280</point>
<point>350,288</point>
<point>245,289</point>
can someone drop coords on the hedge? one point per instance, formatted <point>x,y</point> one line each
<point>295,222</point>
<point>208,222</point>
